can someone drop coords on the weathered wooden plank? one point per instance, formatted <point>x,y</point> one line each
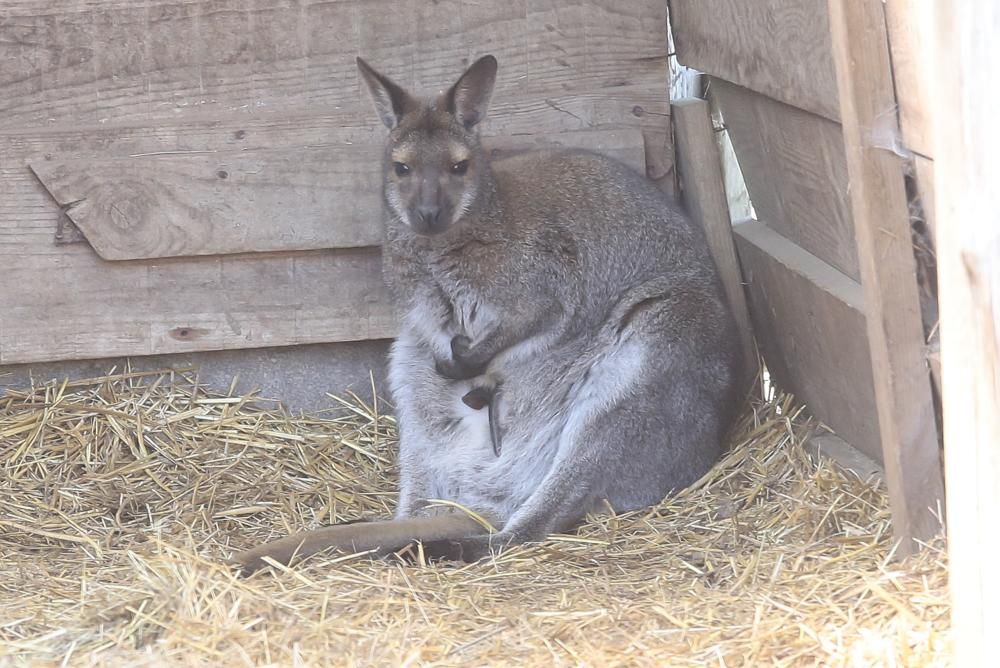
<point>79,308</point>
<point>966,145</point>
<point>221,202</point>
<point>911,26</point>
<point>795,171</point>
<point>908,429</point>
<point>810,326</point>
<point>93,62</point>
<point>704,195</point>
<point>780,48</point>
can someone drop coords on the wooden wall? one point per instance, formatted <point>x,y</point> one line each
<point>220,156</point>
<point>806,91</point>
<point>774,81</point>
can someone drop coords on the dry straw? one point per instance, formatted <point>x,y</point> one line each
<point>123,496</point>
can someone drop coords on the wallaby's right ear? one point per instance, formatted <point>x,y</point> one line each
<point>470,97</point>
<point>391,101</point>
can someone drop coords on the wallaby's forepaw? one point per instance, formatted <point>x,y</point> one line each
<point>463,363</point>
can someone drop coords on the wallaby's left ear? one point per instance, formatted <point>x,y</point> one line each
<point>391,101</point>
<point>470,97</point>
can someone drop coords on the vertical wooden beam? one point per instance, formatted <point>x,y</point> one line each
<point>907,424</point>
<point>704,194</point>
<point>967,174</point>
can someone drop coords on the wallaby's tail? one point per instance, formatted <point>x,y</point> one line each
<point>380,537</point>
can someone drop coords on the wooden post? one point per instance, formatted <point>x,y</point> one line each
<point>907,424</point>
<point>967,175</point>
<point>704,194</point>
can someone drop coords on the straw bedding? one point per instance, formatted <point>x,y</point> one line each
<point>123,495</point>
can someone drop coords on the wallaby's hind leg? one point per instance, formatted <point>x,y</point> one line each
<point>630,438</point>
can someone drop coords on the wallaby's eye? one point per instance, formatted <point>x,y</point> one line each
<point>402,169</point>
<point>460,168</point>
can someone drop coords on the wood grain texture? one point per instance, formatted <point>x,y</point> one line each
<point>780,48</point>
<point>795,171</point>
<point>908,429</point>
<point>100,81</point>
<point>704,194</point>
<point>810,326</point>
<point>223,202</point>
<point>75,307</point>
<point>113,61</point>
<point>966,146</point>
<point>911,26</point>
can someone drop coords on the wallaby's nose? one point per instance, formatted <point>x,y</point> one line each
<point>429,215</point>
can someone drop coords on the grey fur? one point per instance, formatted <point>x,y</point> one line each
<point>573,281</point>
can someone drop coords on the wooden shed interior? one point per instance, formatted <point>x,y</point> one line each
<point>199,175</point>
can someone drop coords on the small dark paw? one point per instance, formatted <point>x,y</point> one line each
<point>462,364</point>
<point>453,370</point>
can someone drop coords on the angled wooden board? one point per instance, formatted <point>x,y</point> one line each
<point>810,326</point>
<point>795,170</point>
<point>266,200</point>
<point>907,419</point>
<point>223,202</point>
<point>704,194</point>
<point>780,48</point>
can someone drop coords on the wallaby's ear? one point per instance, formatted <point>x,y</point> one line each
<point>391,101</point>
<point>469,98</point>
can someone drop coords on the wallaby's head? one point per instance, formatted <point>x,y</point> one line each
<point>434,167</point>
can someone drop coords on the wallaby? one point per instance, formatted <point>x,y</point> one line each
<point>562,291</point>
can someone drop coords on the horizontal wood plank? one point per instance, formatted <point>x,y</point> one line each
<point>780,48</point>
<point>795,170</point>
<point>810,326</point>
<point>221,202</point>
<point>94,62</point>
<point>72,308</point>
